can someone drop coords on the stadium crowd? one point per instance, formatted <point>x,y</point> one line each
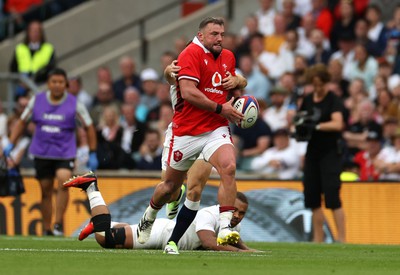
<point>357,40</point>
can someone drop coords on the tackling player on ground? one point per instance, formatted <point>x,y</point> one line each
<point>200,235</point>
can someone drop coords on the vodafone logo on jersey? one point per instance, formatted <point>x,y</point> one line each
<point>216,79</point>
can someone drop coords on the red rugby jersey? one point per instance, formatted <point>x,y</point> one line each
<point>198,64</point>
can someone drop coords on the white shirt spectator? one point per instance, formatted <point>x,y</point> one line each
<point>266,21</point>
<point>276,118</point>
<point>346,60</point>
<point>389,155</point>
<point>288,158</point>
<point>367,74</point>
<point>302,7</point>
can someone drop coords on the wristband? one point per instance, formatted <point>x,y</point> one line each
<point>218,110</point>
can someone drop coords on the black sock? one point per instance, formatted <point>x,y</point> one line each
<point>183,220</point>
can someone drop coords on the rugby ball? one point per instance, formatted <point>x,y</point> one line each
<point>248,106</point>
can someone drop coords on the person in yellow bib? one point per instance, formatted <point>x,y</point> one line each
<point>34,56</point>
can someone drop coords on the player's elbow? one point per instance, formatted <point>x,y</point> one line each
<point>209,246</point>
<point>185,94</point>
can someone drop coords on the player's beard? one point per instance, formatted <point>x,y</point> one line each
<point>214,52</point>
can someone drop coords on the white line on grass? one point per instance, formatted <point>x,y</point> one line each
<point>52,250</point>
<point>256,254</point>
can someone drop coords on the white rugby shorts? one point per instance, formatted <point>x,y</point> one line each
<point>181,152</point>
<point>160,233</point>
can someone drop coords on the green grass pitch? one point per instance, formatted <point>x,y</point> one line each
<point>51,255</point>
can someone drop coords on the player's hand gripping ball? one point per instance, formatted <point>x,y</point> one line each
<point>248,106</point>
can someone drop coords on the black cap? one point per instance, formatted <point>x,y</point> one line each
<point>375,133</point>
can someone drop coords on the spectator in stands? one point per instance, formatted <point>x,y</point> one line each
<point>301,7</point>
<point>104,75</point>
<point>344,23</point>
<point>163,96</point>
<point>387,162</point>
<point>366,158</point>
<point>292,20</point>
<point>75,88</point>
<point>132,135</point>
<point>20,105</point>
<point>345,54</point>
<point>291,43</point>
<point>128,77</point>
<point>386,7</point>
<point>150,151</point>
<point>251,142</point>
<point>335,69</point>
<point>276,114</point>
<point>248,30</point>
<point>34,57</point>
<point>103,98</point>
<point>268,63</point>
<point>363,66</point>
<point>380,83</point>
<point>376,29</point>
<point>132,96</point>
<point>82,151</point>
<point>322,16</point>
<point>361,37</point>
<point>265,15</point>
<point>304,32</point>
<point>300,65</point>
<point>274,41</point>
<point>392,53</point>
<point>258,85</point>
<point>321,54</point>
<point>357,132</point>
<point>16,9</point>
<point>383,101</point>
<point>357,93</point>
<point>166,115</point>
<point>279,161</point>
<point>150,80</point>
<point>389,128</point>
<point>109,136</point>
<point>230,42</point>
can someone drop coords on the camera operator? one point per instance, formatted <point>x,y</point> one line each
<point>320,121</point>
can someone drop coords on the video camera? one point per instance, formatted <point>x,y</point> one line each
<point>305,124</point>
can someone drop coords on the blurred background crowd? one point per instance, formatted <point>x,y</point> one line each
<point>358,40</point>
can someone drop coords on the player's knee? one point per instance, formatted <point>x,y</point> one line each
<point>170,187</point>
<point>227,168</point>
<point>114,238</point>
<point>101,223</point>
<point>194,193</point>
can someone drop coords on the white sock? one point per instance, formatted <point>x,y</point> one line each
<point>95,199</point>
<point>192,205</point>
<point>225,219</point>
<point>91,188</point>
<point>151,213</point>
